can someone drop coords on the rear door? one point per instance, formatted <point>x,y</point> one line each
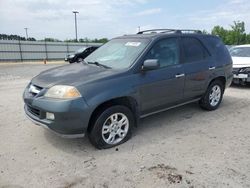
<point>198,66</point>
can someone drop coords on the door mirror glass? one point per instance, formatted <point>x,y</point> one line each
<point>150,64</point>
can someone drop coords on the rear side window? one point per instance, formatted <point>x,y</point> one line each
<point>218,50</point>
<point>193,50</point>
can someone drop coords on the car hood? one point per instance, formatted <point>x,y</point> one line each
<point>241,62</point>
<point>74,74</point>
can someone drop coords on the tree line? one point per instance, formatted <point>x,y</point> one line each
<point>235,35</point>
<point>17,37</point>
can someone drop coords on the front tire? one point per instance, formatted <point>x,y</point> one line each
<point>213,96</point>
<point>112,127</point>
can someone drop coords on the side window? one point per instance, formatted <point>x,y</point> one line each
<point>166,51</point>
<point>193,50</point>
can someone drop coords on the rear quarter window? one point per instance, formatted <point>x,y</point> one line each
<point>214,42</point>
<point>218,49</point>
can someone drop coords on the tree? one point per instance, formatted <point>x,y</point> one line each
<point>31,39</point>
<point>221,32</point>
<point>51,40</point>
<point>87,40</point>
<point>11,37</point>
<point>205,32</point>
<point>236,35</point>
<point>102,40</point>
<point>248,39</point>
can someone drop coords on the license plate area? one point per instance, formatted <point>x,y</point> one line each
<point>240,76</point>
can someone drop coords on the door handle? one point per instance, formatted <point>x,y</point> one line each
<point>179,75</point>
<point>211,68</point>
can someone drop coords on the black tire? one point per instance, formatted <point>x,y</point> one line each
<point>95,134</point>
<point>205,102</point>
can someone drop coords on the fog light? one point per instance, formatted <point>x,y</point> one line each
<point>50,116</point>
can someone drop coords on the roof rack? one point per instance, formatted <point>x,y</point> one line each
<point>179,31</point>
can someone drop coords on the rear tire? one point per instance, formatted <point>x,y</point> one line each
<point>112,127</point>
<point>213,96</point>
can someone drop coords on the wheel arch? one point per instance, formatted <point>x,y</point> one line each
<point>127,101</point>
<point>220,78</point>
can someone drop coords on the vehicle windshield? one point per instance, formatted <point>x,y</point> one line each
<point>118,53</point>
<point>240,52</point>
<point>81,50</point>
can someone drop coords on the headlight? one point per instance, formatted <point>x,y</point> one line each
<point>62,92</point>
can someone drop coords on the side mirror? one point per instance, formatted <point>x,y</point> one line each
<point>150,64</point>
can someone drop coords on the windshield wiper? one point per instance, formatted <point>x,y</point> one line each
<point>99,64</point>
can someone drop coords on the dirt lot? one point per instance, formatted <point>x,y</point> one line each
<point>183,147</point>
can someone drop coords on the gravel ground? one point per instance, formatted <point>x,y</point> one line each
<point>183,147</point>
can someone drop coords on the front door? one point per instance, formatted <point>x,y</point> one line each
<point>164,86</point>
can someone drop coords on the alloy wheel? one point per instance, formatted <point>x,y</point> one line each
<point>215,95</point>
<point>115,128</point>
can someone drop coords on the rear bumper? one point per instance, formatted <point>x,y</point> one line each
<point>70,60</point>
<point>229,80</point>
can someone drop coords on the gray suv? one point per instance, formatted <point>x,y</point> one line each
<point>129,78</point>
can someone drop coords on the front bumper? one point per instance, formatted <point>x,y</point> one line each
<point>71,116</point>
<point>241,75</point>
<point>69,59</point>
<point>46,127</point>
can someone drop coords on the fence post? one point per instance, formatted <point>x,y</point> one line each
<point>46,51</point>
<point>67,47</point>
<point>20,50</point>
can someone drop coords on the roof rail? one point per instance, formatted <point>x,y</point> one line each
<point>179,31</point>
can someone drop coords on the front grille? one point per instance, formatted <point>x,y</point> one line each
<point>244,70</point>
<point>33,111</point>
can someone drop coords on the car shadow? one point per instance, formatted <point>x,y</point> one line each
<point>167,118</point>
<point>155,122</point>
<point>166,124</point>
<point>76,146</point>
<point>239,86</point>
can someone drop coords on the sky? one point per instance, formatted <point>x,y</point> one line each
<point>111,18</point>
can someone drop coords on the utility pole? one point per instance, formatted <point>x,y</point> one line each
<point>139,29</point>
<point>26,31</point>
<point>75,12</point>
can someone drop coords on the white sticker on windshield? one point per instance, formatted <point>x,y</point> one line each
<point>134,44</point>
